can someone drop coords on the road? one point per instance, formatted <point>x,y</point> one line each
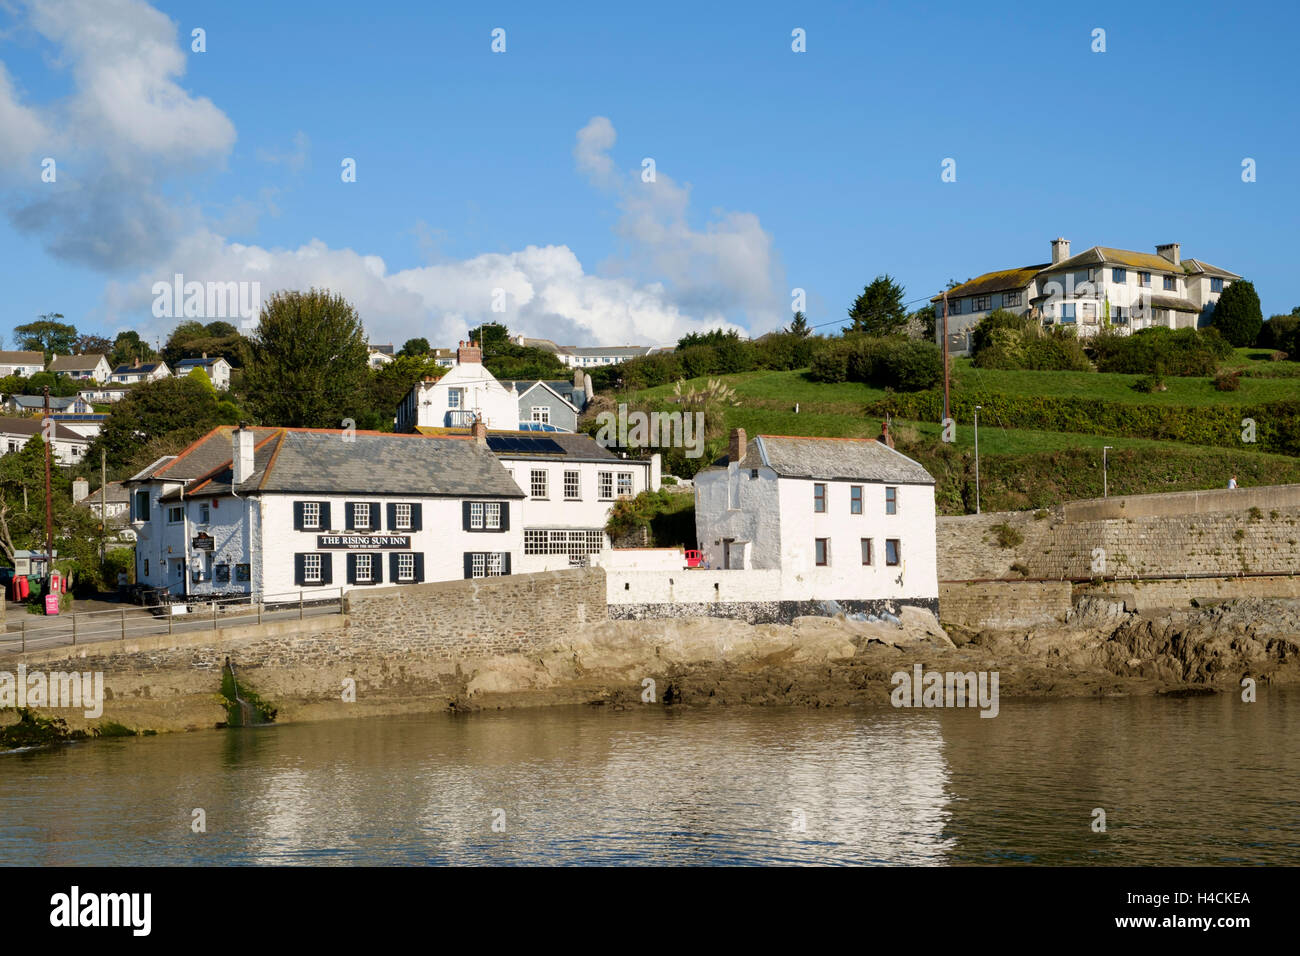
<point>129,621</point>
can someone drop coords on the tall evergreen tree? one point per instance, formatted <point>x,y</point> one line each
<point>1237,314</point>
<point>879,309</point>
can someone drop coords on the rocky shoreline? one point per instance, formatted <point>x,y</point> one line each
<point>1101,650</point>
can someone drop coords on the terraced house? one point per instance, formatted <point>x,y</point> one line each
<point>1099,288</point>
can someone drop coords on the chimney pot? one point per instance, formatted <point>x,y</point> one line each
<point>738,446</point>
<point>469,352</point>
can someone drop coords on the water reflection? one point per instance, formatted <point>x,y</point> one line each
<point>1181,781</point>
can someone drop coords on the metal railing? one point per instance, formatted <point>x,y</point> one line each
<point>177,614</point>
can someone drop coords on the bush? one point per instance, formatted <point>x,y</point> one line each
<point>905,365</point>
<point>1227,381</point>
<point>1180,352</point>
<point>1004,340</point>
<point>1151,383</point>
<point>1282,333</point>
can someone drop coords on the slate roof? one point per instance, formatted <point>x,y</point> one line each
<point>144,368</point>
<point>1201,267</point>
<point>117,494</point>
<point>200,362</point>
<point>330,461</point>
<point>22,358</point>
<point>831,459</point>
<point>1172,302</point>
<point>77,363</point>
<point>1002,281</point>
<point>32,426</point>
<point>560,387</point>
<point>36,403</point>
<point>573,446</point>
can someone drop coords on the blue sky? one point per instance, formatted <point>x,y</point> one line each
<point>521,171</point>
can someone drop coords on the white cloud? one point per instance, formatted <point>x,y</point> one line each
<point>730,266</point>
<point>137,130</point>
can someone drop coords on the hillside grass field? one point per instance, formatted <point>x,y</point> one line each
<point>1026,467</point>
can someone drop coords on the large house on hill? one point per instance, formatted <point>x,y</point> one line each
<point>1095,289</point>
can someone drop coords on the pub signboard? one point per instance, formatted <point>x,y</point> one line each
<point>363,542</point>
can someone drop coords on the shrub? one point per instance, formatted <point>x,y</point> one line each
<point>1007,341</point>
<point>906,365</point>
<point>1281,333</point>
<point>1226,381</point>
<point>1175,352</point>
<point>1151,383</point>
<point>1008,537</point>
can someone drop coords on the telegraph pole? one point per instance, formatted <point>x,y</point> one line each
<point>945,355</point>
<point>49,501</point>
<point>103,501</point>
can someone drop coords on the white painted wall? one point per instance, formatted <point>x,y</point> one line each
<point>775,517</point>
<point>441,539</point>
<point>481,393</point>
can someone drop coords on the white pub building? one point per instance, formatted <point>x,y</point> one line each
<point>279,511</point>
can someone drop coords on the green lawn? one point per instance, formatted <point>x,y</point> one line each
<point>785,389</point>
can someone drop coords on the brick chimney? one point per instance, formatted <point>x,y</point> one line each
<point>135,363</point>
<point>738,446</point>
<point>479,432</point>
<point>885,437</point>
<point>1171,251</point>
<point>241,458</point>
<point>1060,250</point>
<point>469,352</point>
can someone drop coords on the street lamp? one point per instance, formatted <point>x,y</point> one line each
<point>1105,484</point>
<point>977,458</point>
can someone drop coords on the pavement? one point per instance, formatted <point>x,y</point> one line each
<point>104,618</point>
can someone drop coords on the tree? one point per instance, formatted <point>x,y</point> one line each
<point>389,384</point>
<point>88,344</point>
<point>22,506</point>
<point>509,361</point>
<point>192,339</point>
<point>307,362</point>
<point>127,347</point>
<point>182,408</point>
<point>879,309</point>
<point>47,335</point>
<point>711,337</point>
<point>1237,314</point>
<point>925,319</point>
<point>415,348</point>
<point>799,326</point>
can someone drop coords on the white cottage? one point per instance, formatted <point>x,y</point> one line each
<point>844,519</point>
<point>466,394</point>
<point>279,511</point>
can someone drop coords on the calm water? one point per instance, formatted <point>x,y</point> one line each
<point>1206,780</point>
